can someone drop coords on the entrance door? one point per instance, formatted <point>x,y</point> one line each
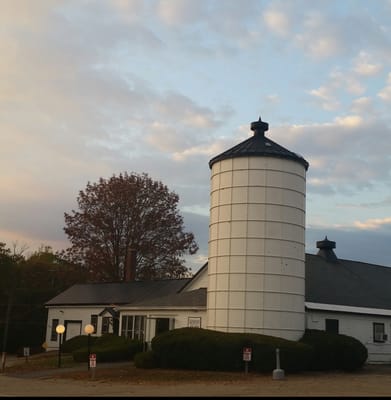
<point>72,328</point>
<point>162,325</point>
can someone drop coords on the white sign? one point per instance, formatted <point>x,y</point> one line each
<point>247,354</point>
<point>26,351</point>
<point>92,360</point>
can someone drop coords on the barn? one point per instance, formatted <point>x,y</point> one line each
<point>258,277</point>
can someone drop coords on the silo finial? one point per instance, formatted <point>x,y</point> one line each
<point>259,127</point>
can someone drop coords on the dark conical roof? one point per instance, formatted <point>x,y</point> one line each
<point>259,145</point>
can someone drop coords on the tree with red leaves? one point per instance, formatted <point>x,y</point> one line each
<point>129,211</point>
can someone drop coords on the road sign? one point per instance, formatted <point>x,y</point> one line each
<point>247,353</point>
<point>92,360</point>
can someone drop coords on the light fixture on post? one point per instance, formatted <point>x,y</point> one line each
<point>89,329</point>
<point>60,329</point>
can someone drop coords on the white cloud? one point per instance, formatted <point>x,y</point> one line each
<point>373,224</point>
<point>179,12</point>
<point>362,105</point>
<point>326,98</point>
<point>277,21</point>
<point>366,65</point>
<point>385,93</point>
<point>349,121</point>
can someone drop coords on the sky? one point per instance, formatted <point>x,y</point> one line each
<point>91,89</point>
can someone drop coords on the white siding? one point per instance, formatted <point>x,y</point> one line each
<point>76,314</point>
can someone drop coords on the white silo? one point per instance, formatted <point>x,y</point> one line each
<point>256,264</point>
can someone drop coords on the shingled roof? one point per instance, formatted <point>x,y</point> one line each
<point>117,293</point>
<point>192,298</point>
<point>347,283</point>
<point>338,282</point>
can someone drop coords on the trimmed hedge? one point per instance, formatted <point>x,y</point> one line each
<point>77,342</point>
<point>146,359</point>
<point>204,349</point>
<point>334,351</point>
<point>109,347</point>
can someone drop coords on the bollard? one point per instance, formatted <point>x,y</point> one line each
<point>278,373</point>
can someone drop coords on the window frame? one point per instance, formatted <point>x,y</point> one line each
<point>133,326</point>
<point>53,332</point>
<point>331,325</point>
<point>379,335</point>
<point>94,322</point>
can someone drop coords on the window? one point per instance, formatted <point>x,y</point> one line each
<point>106,322</point>
<point>94,322</point>
<point>133,326</point>
<point>378,332</point>
<point>332,325</point>
<point>194,322</point>
<point>53,333</point>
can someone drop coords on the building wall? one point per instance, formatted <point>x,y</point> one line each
<point>359,326</point>
<point>179,319</point>
<point>200,281</point>
<point>257,247</point>
<point>75,318</point>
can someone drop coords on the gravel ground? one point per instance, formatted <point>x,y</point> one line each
<point>123,379</point>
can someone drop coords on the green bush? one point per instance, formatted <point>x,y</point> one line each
<point>110,347</point>
<point>77,342</point>
<point>203,349</point>
<point>146,359</point>
<point>334,351</point>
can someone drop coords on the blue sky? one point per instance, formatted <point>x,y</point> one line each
<point>89,89</point>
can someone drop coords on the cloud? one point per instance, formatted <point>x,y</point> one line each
<point>385,93</point>
<point>277,21</point>
<point>343,156</point>
<point>366,65</point>
<point>374,223</point>
<point>326,98</point>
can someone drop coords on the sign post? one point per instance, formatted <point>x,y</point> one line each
<point>26,352</point>
<point>246,357</point>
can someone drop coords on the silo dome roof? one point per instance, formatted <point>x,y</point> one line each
<point>259,145</point>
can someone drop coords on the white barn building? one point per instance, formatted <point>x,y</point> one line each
<point>258,277</point>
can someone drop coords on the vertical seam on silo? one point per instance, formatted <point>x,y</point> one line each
<point>229,250</point>
<point>247,242</point>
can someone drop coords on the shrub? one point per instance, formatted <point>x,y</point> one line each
<point>77,342</point>
<point>110,347</point>
<point>203,349</point>
<point>146,359</point>
<point>334,351</point>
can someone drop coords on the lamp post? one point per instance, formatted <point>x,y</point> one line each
<point>60,329</point>
<point>88,329</point>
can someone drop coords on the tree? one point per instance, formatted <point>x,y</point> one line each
<point>129,211</point>
<point>26,284</point>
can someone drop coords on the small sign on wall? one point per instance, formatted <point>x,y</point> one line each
<point>194,322</point>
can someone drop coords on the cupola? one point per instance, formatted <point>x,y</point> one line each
<point>326,247</point>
